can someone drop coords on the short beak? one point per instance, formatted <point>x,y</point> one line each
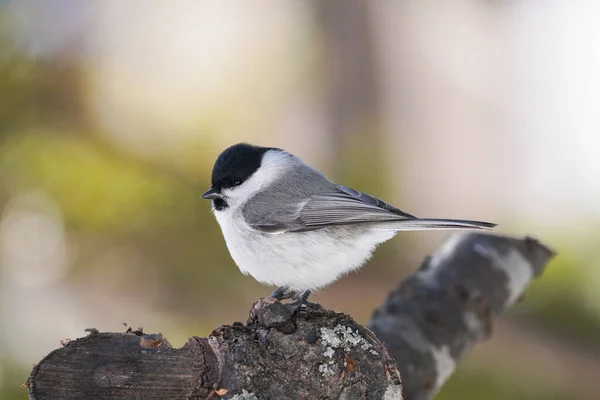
<point>210,194</point>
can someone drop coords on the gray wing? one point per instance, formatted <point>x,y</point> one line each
<point>337,205</point>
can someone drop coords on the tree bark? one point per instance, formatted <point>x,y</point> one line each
<point>427,324</point>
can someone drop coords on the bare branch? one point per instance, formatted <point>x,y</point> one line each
<point>435,316</point>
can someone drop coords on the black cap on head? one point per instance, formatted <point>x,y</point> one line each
<point>236,164</point>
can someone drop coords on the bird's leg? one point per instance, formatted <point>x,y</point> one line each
<point>282,293</point>
<point>302,297</point>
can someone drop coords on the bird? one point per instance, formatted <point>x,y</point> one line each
<point>287,225</point>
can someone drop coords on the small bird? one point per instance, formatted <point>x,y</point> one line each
<point>287,225</point>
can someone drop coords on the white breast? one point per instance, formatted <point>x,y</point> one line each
<point>303,260</point>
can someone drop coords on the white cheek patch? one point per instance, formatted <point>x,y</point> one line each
<point>274,164</point>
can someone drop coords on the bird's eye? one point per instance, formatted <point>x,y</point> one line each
<point>237,182</point>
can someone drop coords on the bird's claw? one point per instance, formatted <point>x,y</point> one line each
<point>299,300</point>
<point>283,293</point>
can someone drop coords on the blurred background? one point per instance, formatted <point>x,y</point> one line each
<point>112,114</point>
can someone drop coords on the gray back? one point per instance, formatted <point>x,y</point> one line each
<point>286,195</point>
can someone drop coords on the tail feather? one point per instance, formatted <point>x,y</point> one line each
<point>418,224</point>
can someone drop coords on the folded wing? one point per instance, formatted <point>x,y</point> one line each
<point>340,206</point>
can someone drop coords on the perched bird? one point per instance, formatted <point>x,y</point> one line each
<point>287,225</point>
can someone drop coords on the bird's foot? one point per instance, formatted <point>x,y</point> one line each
<point>302,300</point>
<point>298,299</point>
<point>283,293</point>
